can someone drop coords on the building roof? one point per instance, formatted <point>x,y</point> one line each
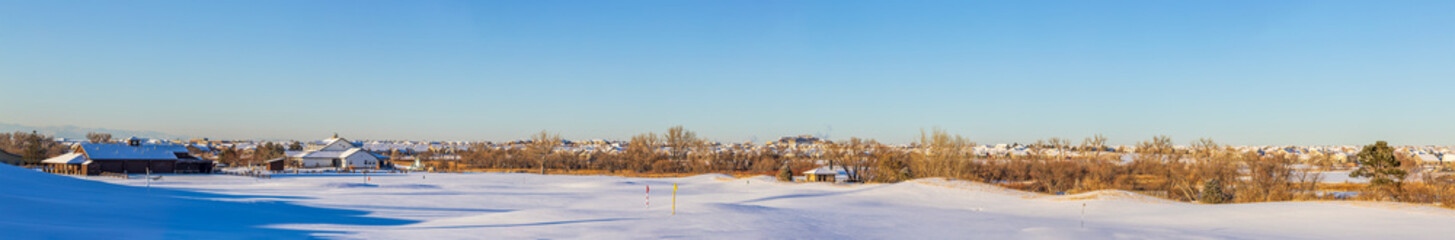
<point>202,147</point>
<point>353,151</point>
<point>349,152</point>
<point>320,150</point>
<point>339,139</point>
<point>825,170</point>
<point>5,155</point>
<point>322,154</point>
<point>121,151</point>
<point>69,158</point>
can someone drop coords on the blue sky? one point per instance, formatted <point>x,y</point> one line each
<point>1240,72</point>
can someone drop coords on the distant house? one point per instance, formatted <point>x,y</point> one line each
<point>130,157</point>
<point>10,158</point>
<point>825,174</point>
<point>336,152</point>
<point>276,164</point>
<point>1429,157</point>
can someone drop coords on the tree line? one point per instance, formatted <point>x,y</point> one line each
<point>32,147</point>
<point>1202,171</point>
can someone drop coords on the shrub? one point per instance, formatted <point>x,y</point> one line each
<point>785,174</point>
<point>1212,192</point>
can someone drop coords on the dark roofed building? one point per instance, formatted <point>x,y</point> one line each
<point>10,158</point>
<point>136,157</point>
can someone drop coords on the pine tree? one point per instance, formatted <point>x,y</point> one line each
<point>35,150</point>
<point>1378,163</point>
<point>785,174</point>
<point>228,156</point>
<point>1212,192</point>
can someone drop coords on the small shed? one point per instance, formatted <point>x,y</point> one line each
<point>276,164</point>
<point>70,163</point>
<point>824,174</point>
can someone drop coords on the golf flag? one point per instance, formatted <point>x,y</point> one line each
<point>674,198</point>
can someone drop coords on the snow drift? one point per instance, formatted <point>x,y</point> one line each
<point>35,205</point>
<point>530,206</point>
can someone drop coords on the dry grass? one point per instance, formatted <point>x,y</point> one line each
<point>1342,187</point>
<point>590,172</point>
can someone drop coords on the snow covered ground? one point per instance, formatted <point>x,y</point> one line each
<point>519,206</point>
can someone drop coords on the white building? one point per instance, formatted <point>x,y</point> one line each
<point>336,152</point>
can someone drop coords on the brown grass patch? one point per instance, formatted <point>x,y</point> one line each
<point>592,172</point>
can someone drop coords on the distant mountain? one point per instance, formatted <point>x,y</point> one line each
<point>69,131</point>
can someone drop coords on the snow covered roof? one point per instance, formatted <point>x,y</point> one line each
<point>105,151</point>
<point>824,170</point>
<point>351,151</point>
<point>323,154</point>
<point>331,153</point>
<point>338,139</point>
<point>202,147</point>
<point>69,158</point>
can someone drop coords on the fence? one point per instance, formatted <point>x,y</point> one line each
<point>250,174</point>
<point>66,169</point>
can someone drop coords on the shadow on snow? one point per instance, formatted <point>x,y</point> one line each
<point>35,205</point>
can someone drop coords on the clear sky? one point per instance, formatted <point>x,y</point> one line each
<point>1240,72</point>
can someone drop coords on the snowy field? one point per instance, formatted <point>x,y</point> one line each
<point>35,205</point>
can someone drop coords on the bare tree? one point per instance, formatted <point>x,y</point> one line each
<point>641,151</point>
<point>1061,146</point>
<point>859,158</point>
<point>1095,144</point>
<point>1204,149</point>
<point>941,155</point>
<point>543,145</point>
<point>98,137</point>
<point>680,143</point>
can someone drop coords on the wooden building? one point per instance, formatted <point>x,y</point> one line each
<point>277,164</point>
<point>133,157</point>
<point>70,163</point>
<point>10,158</point>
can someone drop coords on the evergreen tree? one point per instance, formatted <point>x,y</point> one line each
<point>1378,163</point>
<point>34,150</point>
<point>1212,192</point>
<point>295,146</point>
<point>267,151</point>
<point>229,156</point>
<point>785,174</point>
